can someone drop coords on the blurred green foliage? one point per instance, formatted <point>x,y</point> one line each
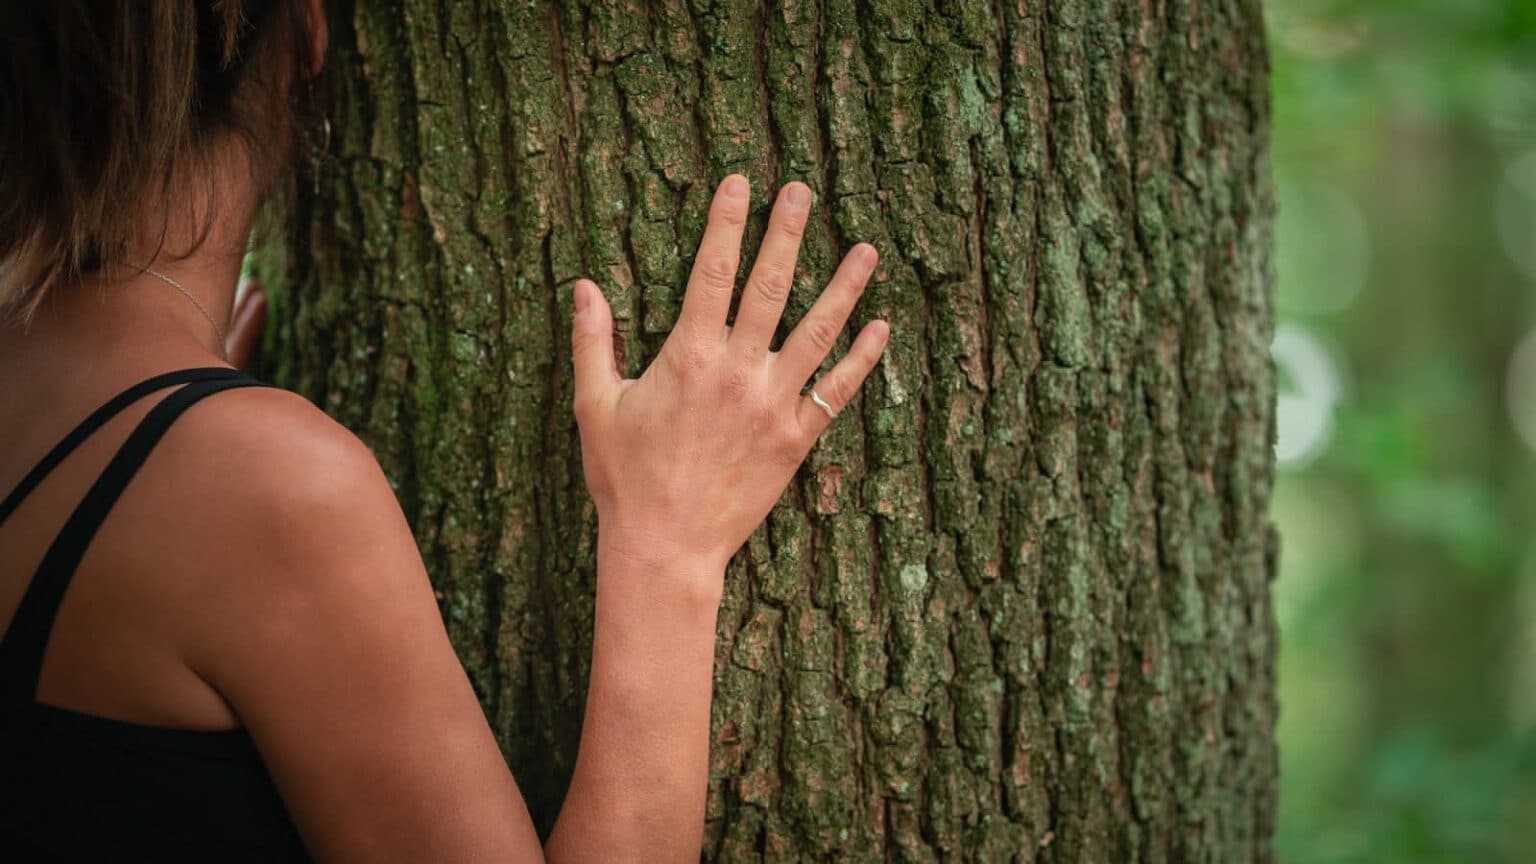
<point>1407,593</point>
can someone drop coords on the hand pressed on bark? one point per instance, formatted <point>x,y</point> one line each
<point>693,454</point>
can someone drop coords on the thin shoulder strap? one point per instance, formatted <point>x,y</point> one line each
<point>99,418</point>
<point>26,640</point>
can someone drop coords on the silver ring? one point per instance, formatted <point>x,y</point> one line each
<point>822,403</point>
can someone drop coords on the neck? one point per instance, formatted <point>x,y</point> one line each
<point>201,287</point>
<point>128,311</point>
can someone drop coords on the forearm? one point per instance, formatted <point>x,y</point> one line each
<point>642,771</point>
<point>705,441</point>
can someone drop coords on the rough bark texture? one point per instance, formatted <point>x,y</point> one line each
<point>1016,605</point>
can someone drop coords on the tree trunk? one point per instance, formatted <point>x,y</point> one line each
<point>1016,606</point>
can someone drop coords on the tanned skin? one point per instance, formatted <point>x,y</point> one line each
<point>258,571</point>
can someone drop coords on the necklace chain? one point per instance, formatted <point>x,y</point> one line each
<point>195,302</point>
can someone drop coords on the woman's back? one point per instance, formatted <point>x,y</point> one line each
<point>125,595</point>
<point>250,634</point>
<point>105,759</point>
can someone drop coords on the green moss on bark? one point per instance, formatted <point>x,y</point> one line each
<point>1015,607</point>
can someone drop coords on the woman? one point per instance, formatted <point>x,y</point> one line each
<point>262,674</point>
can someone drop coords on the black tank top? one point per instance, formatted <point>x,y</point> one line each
<point>77,787</point>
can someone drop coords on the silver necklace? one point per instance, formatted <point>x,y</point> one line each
<point>200,307</point>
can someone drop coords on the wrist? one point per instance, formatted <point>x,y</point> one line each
<point>650,543</point>
<point>658,572</point>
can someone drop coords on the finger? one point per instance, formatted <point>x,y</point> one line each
<point>812,339</point>
<point>708,297</point>
<point>836,388</point>
<point>244,338</point>
<point>596,370</point>
<point>762,301</point>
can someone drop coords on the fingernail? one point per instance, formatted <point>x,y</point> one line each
<point>580,297</point>
<point>734,186</point>
<point>798,194</point>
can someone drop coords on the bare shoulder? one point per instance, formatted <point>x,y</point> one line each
<point>271,455</point>
<point>320,630</point>
<point>274,442</point>
<point>284,497</point>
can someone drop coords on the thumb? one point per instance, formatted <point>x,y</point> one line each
<point>592,342</point>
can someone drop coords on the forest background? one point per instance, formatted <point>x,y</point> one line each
<point>1405,163</point>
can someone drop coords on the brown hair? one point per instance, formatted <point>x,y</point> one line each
<point>102,101</point>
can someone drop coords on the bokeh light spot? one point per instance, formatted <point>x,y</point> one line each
<point>1325,248</point>
<point>1310,388</point>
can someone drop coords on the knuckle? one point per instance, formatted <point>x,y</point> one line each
<point>789,442</point>
<point>737,384</point>
<point>691,359</point>
<point>821,333</point>
<point>772,284</point>
<point>717,272</point>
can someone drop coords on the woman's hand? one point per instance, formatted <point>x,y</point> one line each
<point>686,460</point>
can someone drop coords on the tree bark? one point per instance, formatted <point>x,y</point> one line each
<point>1016,605</point>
